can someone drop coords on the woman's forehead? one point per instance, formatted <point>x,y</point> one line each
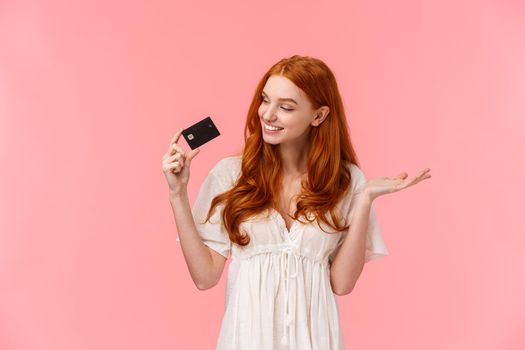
<point>280,87</point>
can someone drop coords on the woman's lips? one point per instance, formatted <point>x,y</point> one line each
<point>268,131</point>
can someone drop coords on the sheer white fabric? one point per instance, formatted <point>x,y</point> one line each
<point>278,292</point>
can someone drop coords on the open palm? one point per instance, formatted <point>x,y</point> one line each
<point>382,185</point>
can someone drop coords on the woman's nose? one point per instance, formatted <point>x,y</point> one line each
<point>269,114</point>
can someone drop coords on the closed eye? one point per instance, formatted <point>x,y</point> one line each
<point>286,109</point>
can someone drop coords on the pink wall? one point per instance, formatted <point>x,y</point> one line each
<point>90,95</point>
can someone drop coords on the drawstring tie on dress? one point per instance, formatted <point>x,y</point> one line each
<point>288,253</point>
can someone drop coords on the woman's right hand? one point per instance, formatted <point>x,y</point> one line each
<point>176,165</point>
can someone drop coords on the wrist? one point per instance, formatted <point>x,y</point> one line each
<point>177,195</point>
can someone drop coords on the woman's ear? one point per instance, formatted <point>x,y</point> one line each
<point>321,115</point>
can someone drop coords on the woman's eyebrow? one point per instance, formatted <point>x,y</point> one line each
<point>282,99</point>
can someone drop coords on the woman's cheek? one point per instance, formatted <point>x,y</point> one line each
<point>260,111</point>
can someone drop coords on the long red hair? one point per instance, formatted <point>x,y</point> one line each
<point>331,152</point>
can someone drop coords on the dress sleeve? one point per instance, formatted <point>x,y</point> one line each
<point>375,245</point>
<point>213,232</point>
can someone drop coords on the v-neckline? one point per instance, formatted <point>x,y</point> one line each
<point>282,223</point>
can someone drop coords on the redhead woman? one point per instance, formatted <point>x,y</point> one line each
<point>293,211</point>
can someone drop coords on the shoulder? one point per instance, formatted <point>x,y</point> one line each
<point>358,182</point>
<point>228,169</point>
<point>359,178</point>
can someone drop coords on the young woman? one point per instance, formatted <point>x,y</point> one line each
<point>294,210</point>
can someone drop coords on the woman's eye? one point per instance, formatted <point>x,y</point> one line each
<point>286,109</point>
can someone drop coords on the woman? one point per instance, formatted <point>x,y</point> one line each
<point>283,209</point>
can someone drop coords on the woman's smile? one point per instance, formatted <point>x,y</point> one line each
<point>269,129</point>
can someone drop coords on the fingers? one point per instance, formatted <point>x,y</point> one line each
<point>422,176</point>
<point>400,181</point>
<point>424,171</point>
<point>173,146</point>
<point>174,167</point>
<point>176,137</point>
<point>175,158</point>
<point>173,143</point>
<point>192,154</point>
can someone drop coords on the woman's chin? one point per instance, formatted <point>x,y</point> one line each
<point>271,140</point>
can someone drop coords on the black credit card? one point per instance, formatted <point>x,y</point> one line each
<point>200,133</point>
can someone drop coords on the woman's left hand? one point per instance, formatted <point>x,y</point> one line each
<point>382,185</point>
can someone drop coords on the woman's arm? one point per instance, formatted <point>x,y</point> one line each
<point>205,264</point>
<point>348,263</point>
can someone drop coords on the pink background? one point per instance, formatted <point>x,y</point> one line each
<point>91,93</point>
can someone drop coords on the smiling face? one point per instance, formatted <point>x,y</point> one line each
<point>287,107</point>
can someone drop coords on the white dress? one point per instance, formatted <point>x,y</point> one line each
<point>278,292</point>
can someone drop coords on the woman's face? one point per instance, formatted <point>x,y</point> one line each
<point>286,106</point>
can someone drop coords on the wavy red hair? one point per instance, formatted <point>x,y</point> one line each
<point>330,154</point>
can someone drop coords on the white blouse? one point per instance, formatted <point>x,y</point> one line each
<point>278,291</point>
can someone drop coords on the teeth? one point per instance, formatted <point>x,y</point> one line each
<point>271,127</point>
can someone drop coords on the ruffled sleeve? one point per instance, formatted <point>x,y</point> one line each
<point>213,232</point>
<point>375,245</point>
